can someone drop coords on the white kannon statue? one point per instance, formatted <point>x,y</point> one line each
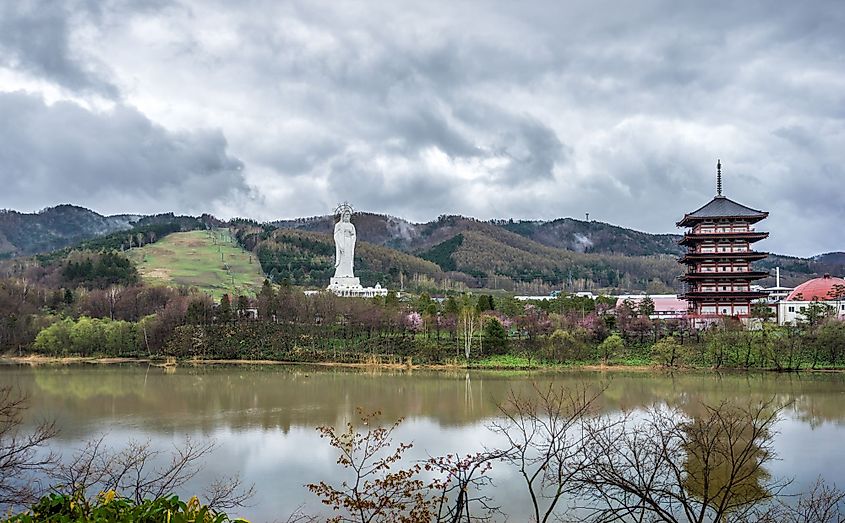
<point>344,282</point>
<point>344,244</point>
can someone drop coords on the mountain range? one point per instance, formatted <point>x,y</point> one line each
<point>520,255</point>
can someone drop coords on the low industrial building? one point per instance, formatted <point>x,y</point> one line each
<point>666,306</point>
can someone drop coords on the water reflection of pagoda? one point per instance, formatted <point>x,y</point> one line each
<point>719,255</point>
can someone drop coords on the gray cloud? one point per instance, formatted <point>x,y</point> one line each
<point>114,161</point>
<point>499,109</point>
<point>35,37</point>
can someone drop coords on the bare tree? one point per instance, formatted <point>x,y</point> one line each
<point>228,492</point>
<point>138,472</point>
<point>468,321</point>
<point>458,487</point>
<point>23,456</point>
<point>379,491</point>
<point>671,467</point>
<point>821,504</point>
<point>546,441</point>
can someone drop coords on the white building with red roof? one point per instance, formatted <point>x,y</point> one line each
<point>827,291</point>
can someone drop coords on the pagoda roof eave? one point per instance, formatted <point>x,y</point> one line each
<point>722,207</point>
<point>689,220</point>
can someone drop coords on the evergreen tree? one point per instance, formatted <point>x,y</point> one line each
<point>452,306</point>
<point>224,313</point>
<point>243,305</point>
<point>197,313</point>
<point>267,301</point>
<point>485,303</point>
<point>423,302</point>
<point>495,336</point>
<point>646,307</point>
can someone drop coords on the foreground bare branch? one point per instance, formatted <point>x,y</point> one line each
<point>823,503</point>
<point>675,468</point>
<point>133,472</point>
<point>459,484</point>
<point>23,456</point>
<point>545,442</point>
<point>379,490</point>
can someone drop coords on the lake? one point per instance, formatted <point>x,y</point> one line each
<point>264,417</point>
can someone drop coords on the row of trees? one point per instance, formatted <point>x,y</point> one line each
<point>464,327</point>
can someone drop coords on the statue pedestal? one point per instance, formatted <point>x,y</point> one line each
<point>350,282</point>
<point>350,286</point>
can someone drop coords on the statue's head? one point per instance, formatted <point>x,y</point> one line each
<point>345,211</point>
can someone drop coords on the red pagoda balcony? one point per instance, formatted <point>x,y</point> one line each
<point>726,275</point>
<point>749,236</point>
<point>695,256</point>
<point>723,295</point>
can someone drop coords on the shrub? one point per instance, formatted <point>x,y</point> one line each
<point>109,507</point>
<point>611,346</point>
<point>667,351</point>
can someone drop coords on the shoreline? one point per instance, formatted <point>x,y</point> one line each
<point>37,360</point>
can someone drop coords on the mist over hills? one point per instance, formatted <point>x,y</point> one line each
<point>54,228</point>
<point>517,255</point>
<point>563,233</point>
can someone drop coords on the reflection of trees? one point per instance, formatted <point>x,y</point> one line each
<point>725,449</point>
<point>667,466</point>
<point>208,397</point>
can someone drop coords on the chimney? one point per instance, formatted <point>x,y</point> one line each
<point>777,276</point>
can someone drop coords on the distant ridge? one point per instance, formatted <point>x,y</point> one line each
<point>55,228</point>
<point>563,233</point>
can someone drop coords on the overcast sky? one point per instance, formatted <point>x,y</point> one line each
<point>539,110</point>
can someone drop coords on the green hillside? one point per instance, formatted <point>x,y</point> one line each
<point>207,260</point>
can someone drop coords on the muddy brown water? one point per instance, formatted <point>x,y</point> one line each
<point>263,418</point>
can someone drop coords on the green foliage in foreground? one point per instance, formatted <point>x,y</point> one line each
<point>109,508</point>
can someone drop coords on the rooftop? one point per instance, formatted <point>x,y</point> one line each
<point>825,288</point>
<point>722,207</point>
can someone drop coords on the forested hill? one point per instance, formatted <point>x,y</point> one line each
<point>537,255</point>
<point>54,228</point>
<point>452,250</point>
<point>522,256</point>
<point>593,236</point>
<point>564,233</point>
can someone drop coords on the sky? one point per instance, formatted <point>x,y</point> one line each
<point>528,110</point>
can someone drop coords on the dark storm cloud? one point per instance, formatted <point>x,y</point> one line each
<point>117,161</point>
<point>35,37</point>
<point>496,109</point>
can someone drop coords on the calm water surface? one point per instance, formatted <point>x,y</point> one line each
<point>264,417</point>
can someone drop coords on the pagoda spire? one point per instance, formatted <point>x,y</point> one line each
<point>718,177</point>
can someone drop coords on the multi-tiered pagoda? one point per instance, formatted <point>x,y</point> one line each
<point>719,240</point>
